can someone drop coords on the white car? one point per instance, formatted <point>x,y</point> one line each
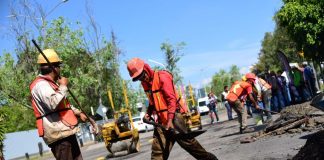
<point>202,106</point>
<point>140,125</point>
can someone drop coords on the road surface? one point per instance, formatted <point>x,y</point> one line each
<point>221,139</point>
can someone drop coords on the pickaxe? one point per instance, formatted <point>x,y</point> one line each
<point>178,135</point>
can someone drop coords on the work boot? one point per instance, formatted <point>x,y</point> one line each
<point>246,130</point>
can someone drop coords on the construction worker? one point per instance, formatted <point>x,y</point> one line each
<point>236,97</point>
<point>264,95</point>
<point>162,96</point>
<point>247,102</point>
<point>56,119</point>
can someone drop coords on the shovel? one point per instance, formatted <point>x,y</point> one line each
<point>178,135</point>
<point>318,101</point>
<point>268,111</point>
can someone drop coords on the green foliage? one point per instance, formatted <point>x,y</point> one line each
<point>173,55</point>
<point>18,118</point>
<point>223,78</point>
<point>272,42</point>
<point>89,73</point>
<point>304,20</point>
<point>13,81</point>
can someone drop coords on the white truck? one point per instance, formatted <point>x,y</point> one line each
<point>202,106</point>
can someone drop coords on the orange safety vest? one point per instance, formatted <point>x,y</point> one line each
<point>158,100</point>
<point>63,109</point>
<point>237,91</point>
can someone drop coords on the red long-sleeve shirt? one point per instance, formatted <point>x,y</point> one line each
<point>166,88</point>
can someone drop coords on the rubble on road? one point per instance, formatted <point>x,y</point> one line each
<point>313,149</point>
<point>294,119</point>
<point>297,119</point>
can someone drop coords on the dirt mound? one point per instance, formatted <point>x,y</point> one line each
<point>293,119</point>
<point>297,118</point>
<point>313,149</point>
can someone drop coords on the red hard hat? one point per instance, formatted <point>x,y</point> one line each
<point>250,76</point>
<point>135,67</point>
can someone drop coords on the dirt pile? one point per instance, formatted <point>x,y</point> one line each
<point>296,119</point>
<point>313,149</point>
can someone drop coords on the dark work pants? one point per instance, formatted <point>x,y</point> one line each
<point>163,142</point>
<point>66,149</point>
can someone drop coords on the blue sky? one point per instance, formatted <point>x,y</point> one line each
<point>218,33</point>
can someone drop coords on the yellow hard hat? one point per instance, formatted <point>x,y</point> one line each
<point>50,54</point>
<point>244,78</point>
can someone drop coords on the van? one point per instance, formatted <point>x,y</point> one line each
<point>202,105</point>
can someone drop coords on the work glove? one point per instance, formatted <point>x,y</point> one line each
<point>95,128</point>
<point>94,125</point>
<point>169,124</point>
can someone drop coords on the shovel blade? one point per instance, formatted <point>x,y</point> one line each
<point>318,101</point>
<point>190,135</point>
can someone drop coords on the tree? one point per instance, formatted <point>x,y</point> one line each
<point>80,65</point>
<point>235,73</point>
<point>304,20</point>
<point>173,55</point>
<point>223,78</point>
<point>272,42</point>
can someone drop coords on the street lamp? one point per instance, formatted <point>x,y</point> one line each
<point>161,64</point>
<point>48,13</point>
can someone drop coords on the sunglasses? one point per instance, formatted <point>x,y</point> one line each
<point>58,65</point>
<point>140,77</point>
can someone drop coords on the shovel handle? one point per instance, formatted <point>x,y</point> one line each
<point>157,124</point>
<point>268,111</point>
<point>152,123</point>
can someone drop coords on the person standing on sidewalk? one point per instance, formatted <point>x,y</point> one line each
<point>227,106</point>
<point>163,101</point>
<point>56,119</point>
<point>236,97</point>
<point>212,105</point>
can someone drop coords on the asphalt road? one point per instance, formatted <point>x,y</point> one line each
<point>99,151</point>
<point>221,139</point>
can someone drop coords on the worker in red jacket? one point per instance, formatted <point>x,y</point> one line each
<point>163,101</point>
<point>236,97</point>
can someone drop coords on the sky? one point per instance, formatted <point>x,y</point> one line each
<point>217,33</point>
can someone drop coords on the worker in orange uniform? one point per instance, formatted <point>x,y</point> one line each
<point>236,97</point>
<point>163,101</point>
<point>56,119</point>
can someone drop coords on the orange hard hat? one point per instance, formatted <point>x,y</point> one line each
<point>250,76</point>
<point>135,67</point>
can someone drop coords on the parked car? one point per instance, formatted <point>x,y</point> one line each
<point>202,106</point>
<point>140,125</point>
